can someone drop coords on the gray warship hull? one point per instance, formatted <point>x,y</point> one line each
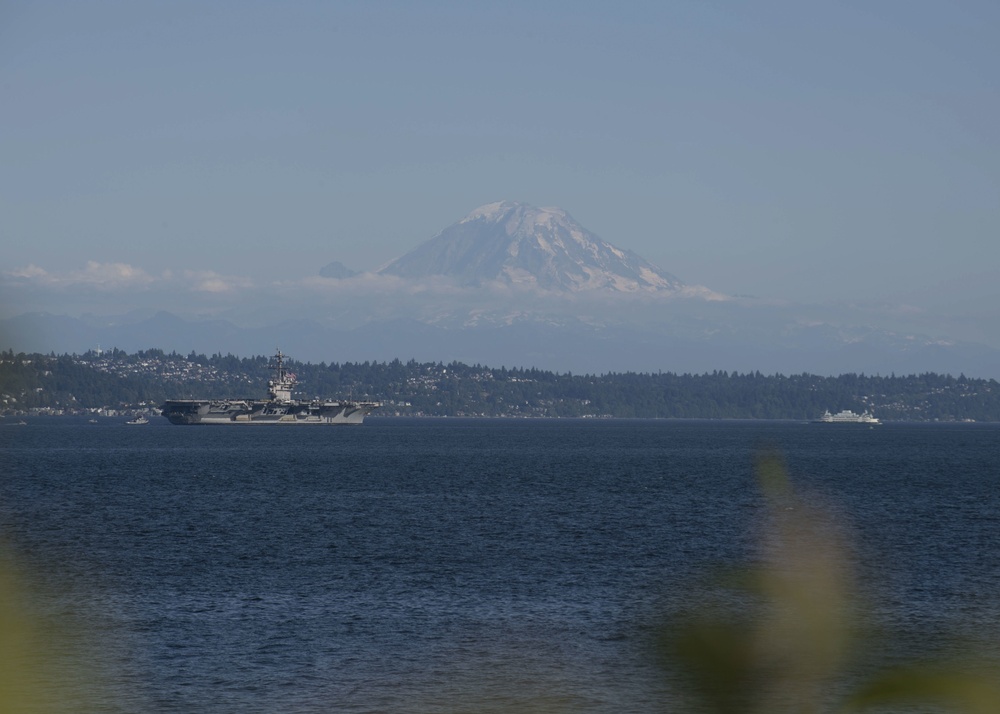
<point>204,411</point>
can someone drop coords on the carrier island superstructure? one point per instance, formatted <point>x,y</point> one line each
<point>278,408</point>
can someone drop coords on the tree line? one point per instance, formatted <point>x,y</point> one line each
<point>118,379</point>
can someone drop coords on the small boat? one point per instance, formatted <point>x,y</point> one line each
<point>139,420</point>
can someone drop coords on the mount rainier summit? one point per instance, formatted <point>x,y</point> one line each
<point>516,244</point>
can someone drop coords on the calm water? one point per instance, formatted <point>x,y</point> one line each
<point>460,565</point>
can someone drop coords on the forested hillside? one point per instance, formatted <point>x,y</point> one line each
<point>115,379</point>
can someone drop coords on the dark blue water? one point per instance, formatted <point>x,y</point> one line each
<point>461,565</point>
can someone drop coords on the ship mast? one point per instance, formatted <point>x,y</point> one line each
<point>280,387</point>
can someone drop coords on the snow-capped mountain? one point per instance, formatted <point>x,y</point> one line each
<point>509,284</point>
<point>517,244</point>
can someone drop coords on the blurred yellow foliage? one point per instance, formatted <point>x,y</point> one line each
<point>39,671</point>
<point>778,638</point>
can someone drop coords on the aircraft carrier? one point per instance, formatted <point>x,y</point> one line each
<point>278,408</point>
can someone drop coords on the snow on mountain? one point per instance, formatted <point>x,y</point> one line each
<point>517,244</point>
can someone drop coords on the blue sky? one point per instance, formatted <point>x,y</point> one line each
<point>842,151</point>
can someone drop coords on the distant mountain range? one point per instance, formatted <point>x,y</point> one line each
<point>561,346</point>
<point>514,285</point>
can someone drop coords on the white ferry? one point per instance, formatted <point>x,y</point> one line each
<point>847,417</point>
